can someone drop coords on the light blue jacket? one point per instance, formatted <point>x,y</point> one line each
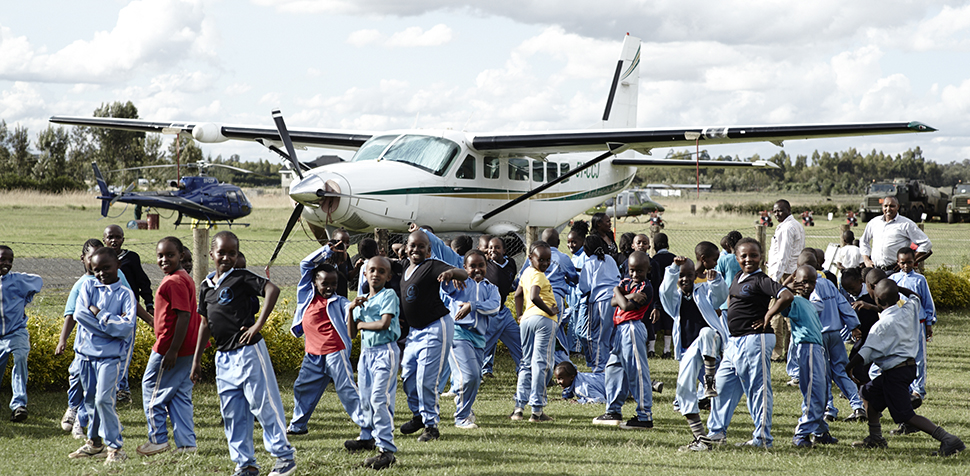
<point>336,304</point>
<point>598,278</point>
<point>16,291</point>
<point>708,295</point>
<point>484,300</point>
<point>104,336</point>
<point>834,311</point>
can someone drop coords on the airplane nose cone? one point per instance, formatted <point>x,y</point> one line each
<point>305,191</point>
<point>311,191</point>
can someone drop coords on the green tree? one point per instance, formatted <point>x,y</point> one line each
<point>52,144</point>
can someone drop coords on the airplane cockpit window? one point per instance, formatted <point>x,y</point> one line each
<point>552,171</point>
<point>433,154</point>
<point>467,168</point>
<point>564,170</point>
<point>537,168</point>
<point>519,169</point>
<point>373,148</point>
<point>492,167</point>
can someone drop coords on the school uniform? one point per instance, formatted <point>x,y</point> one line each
<point>698,332</point>
<point>377,369</point>
<point>596,282</point>
<point>323,324</point>
<point>502,325</point>
<point>659,262</point>
<point>867,318</point>
<point>562,276</point>
<point>577,310</point>
<point>746,366</point>
<point>917,283</point>
<point>627,371</point>
<point>468,350</point>
<point>100,342</point>
<point>813,375</point>
<point>838,319</point>
<point>167,394</point>
<point>245,378</point>
<point>891,347</point>
<point>441,251</point>
<point>538,343</point>
<point>587,387</point>
<point>16,291</point>
<point>130,264</point>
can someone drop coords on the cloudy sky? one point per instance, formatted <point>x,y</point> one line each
<point>496,65</point>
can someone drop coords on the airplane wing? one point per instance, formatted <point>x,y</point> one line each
<point>648,162</point>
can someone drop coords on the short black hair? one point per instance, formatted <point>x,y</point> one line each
<point>6,248</point>
<point>106,251</point>
<point>175,241</point>
<point>225,234</point>
<point>747,240</point>
<point>538,244</point>
<point>564,369</point>
<point>367,248</point>
<point>660,241</point>
<point>706,248</point>
<point>461,244</point>
<point>906,251</point>
<point>473,252</point>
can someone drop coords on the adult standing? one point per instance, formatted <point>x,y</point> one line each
<point>600,224</point>
<point>885,235</point>
<point>787,242</point>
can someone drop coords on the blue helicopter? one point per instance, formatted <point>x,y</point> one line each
<point>200,197</point>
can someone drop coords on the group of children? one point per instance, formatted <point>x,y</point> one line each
<point>439,311</point>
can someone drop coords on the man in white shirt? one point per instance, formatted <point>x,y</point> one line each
<point>787,242</point>
<point>885,235</point>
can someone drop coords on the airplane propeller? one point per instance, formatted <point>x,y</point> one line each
<point>298,209</point>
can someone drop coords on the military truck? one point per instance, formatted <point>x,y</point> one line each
<point>959,207</point>
<point>915,198</point>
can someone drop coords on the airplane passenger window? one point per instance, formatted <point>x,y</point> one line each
<point>537,168</point>
<point>467,168</point>
<point>519,169</point>
<point>492,168</point>
<point>552,171</point>
<point>564,170</point>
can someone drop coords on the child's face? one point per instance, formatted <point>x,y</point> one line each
<point>496,250</point>
<point>687,276</point>
<point>325,283</point>
<point>224,252</point>
<point>168,257</point>
<point>187,261</point>
<point>483,243</point>
<point>86,259</point>
<point>6,262</point>
<point>240,261</point>
<point>804,283</point>
<point>749,257</point>
<point>114,237</point>
<point>906,262</point>
<point>706,262</point>
<point>475,267</point>
<point>541,258</point>
<point>639,270</point>
<point>575,241</point>
<point>378,272</point>
<point>853,286</point>
<point>105,268</point>
<point>641,243</point>
<point>418,247</point>
<point>564,381</point>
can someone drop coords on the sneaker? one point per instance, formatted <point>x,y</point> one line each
<point>283,467</point>
<point>381,461</point>
<point>793,382</point>
<point>658,386</point>
<point>858,414</point>
<point>704,403</point>
<point>123,396</point>
<point>950,446</point>
<point>667,356</point>
<point>78,431</point>
<point>871,442</point>
<point>89,450</point>
<point>611,419</point>
<point>799,442</point>
<point>699,444</point>
<point>709,389</point>
<point>19,414</point>
<point>115,456</point>
<point>651,354</point>
<point>150,448</point>
<point>715,442</point>
<point>413,425</point>
<point>517,414</point>
<point>753,443</point>
<point>247,471</point>
<point>67,421</point>
<point>291,431</point>
<point>429,433</point>
<point>466,424</point>
<point>904,429</point>
<point>829,417</point>
<point>916,400</point>
<point>488,376</point>
<point>186,450</point>
<point>449,394</point>
<point>539,417</point>
<point>637,424</point>
<point>825,439</point>
<point>358,444</point>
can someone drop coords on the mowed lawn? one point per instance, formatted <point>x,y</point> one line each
<point>568,445</point>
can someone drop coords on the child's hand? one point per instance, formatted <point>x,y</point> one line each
<point>248,334</point>
<point>856,334</point>
<point>555,309</point>
<point>360,300</point>
<point>679,260</point>
<point>61,345</point>
<point>638,298</point>
<point>168,361</point>
<point>196,375</point>
<point>412,227</point>
<point>710,274</point>
<point>94,309</point>
<point>654,316</point>
<point>463,311</point>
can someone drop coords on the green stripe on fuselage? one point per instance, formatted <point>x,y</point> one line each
<point>477,192</point>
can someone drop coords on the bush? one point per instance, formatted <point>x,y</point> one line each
<point>950,290</point>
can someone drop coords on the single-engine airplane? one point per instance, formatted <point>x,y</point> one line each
<point>485,182</point>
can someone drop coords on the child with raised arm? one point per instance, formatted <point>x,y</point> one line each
<point>105,314</point>
<point>166,384</point>
<point>701,334</point>
<point>376,316</point>
<point>245,378</point>
<point>538,334</point>
<point>16,291</point>
<point>597,280</point>
<point>627,371</point>
<point>585,387</point>
<point>907,277</point>
<point>321,319</point>
<point>472,303</point>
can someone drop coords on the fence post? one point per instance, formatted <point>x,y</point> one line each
<point>842,229</point>
<point>200,250</point>
<point>531,235</point>
<point>761,234</point>
<point>919,266</point>
<point>383,239</point>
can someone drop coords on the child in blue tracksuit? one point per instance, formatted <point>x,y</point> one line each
<point>809,351</point>
<point>578,323</point>
<point>501,272</point>
<point>597,280</point>
<point>746,365</point>
<point>16,291</point>
<point>472,305</point>
<point>695,323</point>
<point>322,320</point>
<point>585,387</point>
<point>245,378</point>
<point>376,315</point>
<point>105,312</point>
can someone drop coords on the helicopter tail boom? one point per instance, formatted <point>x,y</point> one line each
<point>106,195</point>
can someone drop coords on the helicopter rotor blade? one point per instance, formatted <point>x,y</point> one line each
<point>286,233</point>
<point>143,167</point>
<point>230,167</point>
<point>285,137</point>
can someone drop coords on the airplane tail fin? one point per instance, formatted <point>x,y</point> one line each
<point>621,104</point>
<point>106,194</point>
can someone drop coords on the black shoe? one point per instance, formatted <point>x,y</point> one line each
<point>710,390</point>
<point>950,446</point>
<point>871,442</point>
<point>123,396</point>
<point>637,424</point>
<point>916,400</point>
<point>381,461</point>
<point>610,419</point>
<point>857,415</point>
<point>667,356</point>
<point>651,354</point>
<point>657,386</point>
<point>354,446</point>
<point>297,432</point>
<point>904,429</point>
<point>19,414</point>
<point>430,433</point>
<point>413,425</point>
<point>829,418</point>
<point>704,404</point>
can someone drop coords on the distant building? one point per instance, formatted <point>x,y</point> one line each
<point>673,190</point>
<point>287,174</point>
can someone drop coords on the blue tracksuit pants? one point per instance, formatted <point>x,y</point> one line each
<point>423,366</point>
<point>837,360</point>
<point>707,344</point>
<point>502,326</point>
<point>813,375</point>
<point>99,381</point>
<point>316,373</point>
<point>377,380</point>
<point>16,344</point>
<point>466,364</point>
<point>745,370</point>
<point>599,335</point>
<point>919,385</point>
<point>167,394</point>
<point>627,372</point>
<point>538,343</point>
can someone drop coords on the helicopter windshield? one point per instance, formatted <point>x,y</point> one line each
<point>433,154</point>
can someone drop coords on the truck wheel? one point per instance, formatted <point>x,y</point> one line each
<point>952,217</point>
<point>863,216</point>
<point>915,214</point>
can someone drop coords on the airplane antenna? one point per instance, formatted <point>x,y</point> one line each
<point>416,116</point>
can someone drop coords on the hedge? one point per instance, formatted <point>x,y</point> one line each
<point>950,290</point>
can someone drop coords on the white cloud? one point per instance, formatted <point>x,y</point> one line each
<point>365,37</point>
<point>235,89</point>
<point>415,36</point>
